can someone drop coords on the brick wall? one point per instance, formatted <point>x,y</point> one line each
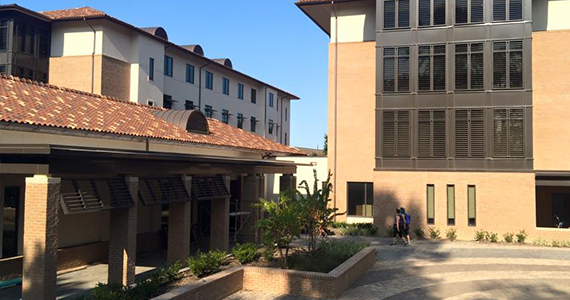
<point>115,78</point>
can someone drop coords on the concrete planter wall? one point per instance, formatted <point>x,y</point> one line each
<point>278,281</point>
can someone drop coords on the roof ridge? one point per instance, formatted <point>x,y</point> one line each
<point>75,91</point>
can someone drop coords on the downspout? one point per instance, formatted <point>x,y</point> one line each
<point>335,157</point>
<point>200,87</point>
<point>281,122</point>
<point>265,114</point>
<point>92,56</point>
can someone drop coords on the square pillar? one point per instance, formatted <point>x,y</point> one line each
<point>179,228</point>
<point>287,182</point>
<point>251,192</point>
<point>39,274</point>
<point>123,239</point>
<point>220,222</point>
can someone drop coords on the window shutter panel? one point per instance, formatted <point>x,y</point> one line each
<point>424,72</point>
<point>439,68</point>
<point>461,71</point>
<point>461,11</point>
<point>499,70</point>
<point>403,74</point>
<point>439,134</point>
<point>389,14</point>
<point>424,12</point>
<point>476,11</point>
<point>439,12</point>
<point>388,134</point>
<point>424,133</point>
<point>515,69</point>
<point>389,74</point>
<point>461,133</point>
<point>500,132</point>
<point>477,133</point>
<point>476,70</point>
<point>404,13</point>
<point>516,132</point>
<point>403,133</point>
<point>515,9</point>
<point>499,10</point>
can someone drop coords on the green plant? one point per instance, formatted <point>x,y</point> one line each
<point>328,256</point>
<point>419,233</point>
<point>339,224</point>
<point>508,237</point>
<point>109,292</point>
<point>521,236</point>
<point>540,242</point>
<point>245,253</point>
<point>206,263</point>
<point>367,228</point>
<point>557,244</point>
<point>434,233</point>
<point>359,229</point>
<point>389,231</point>
<point>268,252</point>
<point>492,237</point>
<point>480,235</point>
<point>451,234</point>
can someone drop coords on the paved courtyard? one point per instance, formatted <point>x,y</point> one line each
<point>457,271</point>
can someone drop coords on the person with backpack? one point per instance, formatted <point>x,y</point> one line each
<point>398,228</point>
<point>407,220</point>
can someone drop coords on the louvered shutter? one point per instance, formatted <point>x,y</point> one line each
<point>403,69</point>
<point>388,133</point>
<point>476,11</point>
<point>477,133</point>
<point>424,12</point>
<point>424,133</point>
<point>461,11</point>
<point>516,66</point>
<point>500,133</point>
<point>516,132</point>
<point>515,9</point>
<point>158,191</point>
<point>439,134</point>
<point>389,74</point>
<point>439,12</point>
<point>439,67</point>
<point>462,133</point>
<point>476,66</point>
<point>209,188</point>
<point>389,14</point>
<point>461,67</point>
<point>499,65</point>
<point>424,69</point>
<point>403,125</point>
<point>499,10</point>
<point>403,13</point>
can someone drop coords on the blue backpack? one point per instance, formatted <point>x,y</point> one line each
<point>408,219</point>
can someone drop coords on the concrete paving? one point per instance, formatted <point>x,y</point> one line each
<point>456,271</point>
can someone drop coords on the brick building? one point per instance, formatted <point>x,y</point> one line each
<point>87,178</point>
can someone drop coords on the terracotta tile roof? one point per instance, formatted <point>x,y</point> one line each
<point>27,102</point>
<point>80,12</point>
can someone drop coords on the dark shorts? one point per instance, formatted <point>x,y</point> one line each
<point>407,229</point>
<point>396,232</point>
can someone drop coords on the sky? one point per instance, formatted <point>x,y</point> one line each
<point>271,40</point>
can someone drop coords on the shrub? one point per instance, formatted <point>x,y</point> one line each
<point>328,256</point>
<point>492,237</point>
<point>109,292</point>
<point>434,233</point>
<point>339,224</point>
<point>245,253</point>
<point>389,231</point>
<point>557,244</point>
<point>268,252</point>
<point>480,235</point>
<point>521,236</point>
<point>419,233</point>
<point>368,228</point>
<point>206,263</point>
<point>451,234</point>
<point>508,237</point>
<point>359,229</point>
<point>540,242</point>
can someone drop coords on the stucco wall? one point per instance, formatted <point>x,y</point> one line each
<point>550,14</point>
<point>304,172</point>
<point>356,22</point>
<point>551,83</point>
<point>355,115</point>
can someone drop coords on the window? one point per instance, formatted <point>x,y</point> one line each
<point>240,91</point>
<point>3,69</point>
<point>3,34</point>
<point>10,219</point>
<point>431,68</point>
<point>469,66</point>
<point>270,126</point>
<point>208,111</point>
<point>286,114</point>
<point>451,205</point>
<point>508,64</point>
<point>167,101</point>
<point>44,48</point>
<point>425,12</point>
<point>150,102</point>
<point>253,123</point>
<point>189,105</point>
<point>471,205</point>
<point>253,96</point>
<point>508,129</point>
<point>226,86</point>
<point>168,62</point>
<point>225,116</point>
<point>240,121</point>
<point>397,69</point>
<point>431,134</point>
<point>26,36</point>
<point>507,10</point>
<point>209,80</point>
<point>277,104</point>
<point>396,133</point>
<point>430,204</point>
<point>151,69</point>
<point>360,199</point>
<point>470,133</point>
<point>396,14</point>
<point>286,139</point>
<point>271,97</point>
<point>468,11</point>
<point>189,73</point>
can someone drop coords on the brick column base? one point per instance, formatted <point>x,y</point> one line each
<point>39,275</point>
<point>178,232</point>
<point>123,240</point>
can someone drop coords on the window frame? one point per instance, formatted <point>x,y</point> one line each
<point>189,105</point>
<point>225,116</point>
<point>365,185</point>
<point>286,113</point>
<point>451,209</point>
<point>433,147</point>
<point>430,221</point>
<point>7,38</point>
<point>271,99</point>
<point>469,55</point>
<point>151,69</point>
<point>397,130</point>
<point>168,66</point>
<point>253,96</point>
<point>470,13</point>
<point>509,125</point>
<point>270,125</point>
<point>432,14</point>
<point>209,84</point>
<point>397,15</point>
<point>470,120</point>
<point>472,222</point>
<point>208,111</point>
<point>508,11</point>
<point>396,71</point>
<point>240,120</point>
<point>167,99</point>
<point>190,70</point>
<point>240,93</point>
<point>432,55</point>
<point>508,51</point>
<point>225,86</point>
<point>253,124</point>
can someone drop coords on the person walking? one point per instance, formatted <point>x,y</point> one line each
<point>407,220</point>
<point>398,228</point>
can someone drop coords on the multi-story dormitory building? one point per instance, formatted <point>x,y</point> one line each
<point>456,110</point>
<point>88,50</point>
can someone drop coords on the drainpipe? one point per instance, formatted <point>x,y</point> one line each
<point>92,56</point>
<point>335,174</point>
<point>200,87</point>
<point>265,114</point>
<point>281,122</point>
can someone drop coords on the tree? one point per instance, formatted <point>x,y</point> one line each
<point>326,145</point>
<point>318,214</point>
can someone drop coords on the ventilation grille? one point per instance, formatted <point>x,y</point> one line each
<point>208,188</point>
<point>87,195</point>
<point>197,122</point>
<point>157,191</point>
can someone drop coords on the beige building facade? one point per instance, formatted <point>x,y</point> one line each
<point>495,193</point>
